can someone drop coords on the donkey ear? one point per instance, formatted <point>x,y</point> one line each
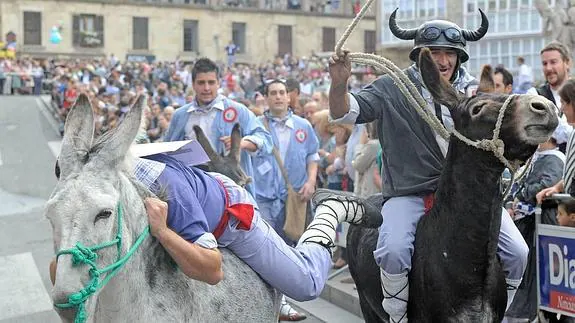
<point>205,143</point>
<point>486,81</point>
<point>78,135</point>
<point>117,144</point>
<point>236,141</point>
<point>438,86</point>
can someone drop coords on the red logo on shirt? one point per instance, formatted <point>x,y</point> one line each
<point>230,114</point>
<point>300,135</point>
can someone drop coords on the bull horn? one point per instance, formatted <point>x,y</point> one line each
<point>205,143</point>
<point>480,32</point>
<point>399,32</point>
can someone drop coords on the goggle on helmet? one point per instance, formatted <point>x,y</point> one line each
<point>439,33</point>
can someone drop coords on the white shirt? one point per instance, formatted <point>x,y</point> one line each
<point>202,119</point>
<point>283,132</point>
<point>185,76</point>
<point>525,74</point>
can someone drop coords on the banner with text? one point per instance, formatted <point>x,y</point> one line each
<point>556,269</point>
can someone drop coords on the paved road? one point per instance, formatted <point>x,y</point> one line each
<point>28,146</point>
<point>26,181</point>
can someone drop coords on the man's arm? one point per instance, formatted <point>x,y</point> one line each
<point>362,107</point>
<point>340,72</point>
<point>256,139</point>
<point>312,162</point>
<point>308,187</point>
<point>312,172</point>
<point>557,188</point>
<point>195,261</point>
<point>247,145</point>
<point>338,100</point>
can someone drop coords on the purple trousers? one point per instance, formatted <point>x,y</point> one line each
<point>298,272</point>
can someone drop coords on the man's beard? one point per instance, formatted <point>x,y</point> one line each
<point>560,79</point>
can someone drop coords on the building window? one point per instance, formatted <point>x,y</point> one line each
<point>140,33</point>
<point>171,1</point>
<point>284,40</point>
<point>32,28</point>
<point>191,36</point>
<point>88,30</point>
<point>294,4</point>
<point>369,41</point>
<point>239,36</point>
<point>328,39</point>
<point>505,52</point>
<point>505,16</point>
<point>411,14</point>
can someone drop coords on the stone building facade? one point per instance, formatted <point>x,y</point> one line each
<point>167,29</point>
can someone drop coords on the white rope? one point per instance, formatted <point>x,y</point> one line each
<point>430,118</point>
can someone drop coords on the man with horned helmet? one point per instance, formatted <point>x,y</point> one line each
<point>410,175</point>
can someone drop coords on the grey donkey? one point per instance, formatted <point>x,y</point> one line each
<point>96,184</point>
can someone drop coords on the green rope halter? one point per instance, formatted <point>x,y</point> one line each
<point>87,255</point>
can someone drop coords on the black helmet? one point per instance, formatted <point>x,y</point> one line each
<point>439,33</point>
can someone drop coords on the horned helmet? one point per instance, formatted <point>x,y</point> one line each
<point>439,33</point>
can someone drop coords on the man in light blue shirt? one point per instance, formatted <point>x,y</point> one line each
<point>217,115</point>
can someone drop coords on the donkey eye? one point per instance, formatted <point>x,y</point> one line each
<point>104,214</point>
<point>477,109</point>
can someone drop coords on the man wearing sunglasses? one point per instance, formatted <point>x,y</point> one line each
<point>411,174</point>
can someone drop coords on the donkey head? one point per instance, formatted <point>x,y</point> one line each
<point>94,187</point>
<point>528,120</point>
<point>226,165</point>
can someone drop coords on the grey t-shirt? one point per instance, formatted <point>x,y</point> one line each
<point>413,154</point>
